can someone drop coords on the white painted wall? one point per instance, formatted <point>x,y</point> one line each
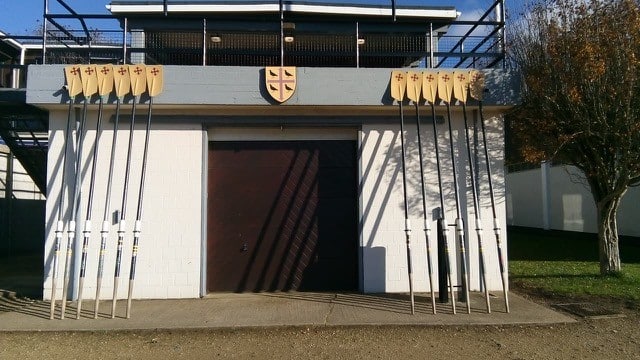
<point>571,205</point>
<point>169,263</point>
<point>383,237</point>
<point>169,259</point>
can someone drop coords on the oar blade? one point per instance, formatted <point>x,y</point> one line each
<point>138,79</point>
<point>89,80</point>
<point>74,82</point>
<point>414,86</point>
<point>476,84</point>
<point>430,86</point>
<point>445,85</point>
<point>461,85</point>
<point>155,78</point>
<point>105,79</point>
<point>122,80</point>
<point>398,85</point>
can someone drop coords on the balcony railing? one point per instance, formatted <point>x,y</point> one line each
<point>200,42</point>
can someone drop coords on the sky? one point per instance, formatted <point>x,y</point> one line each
<point>21,17</point>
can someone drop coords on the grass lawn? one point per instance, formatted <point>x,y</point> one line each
<point>562,263</point>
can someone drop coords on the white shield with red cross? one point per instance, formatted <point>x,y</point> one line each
<point>280,82</point>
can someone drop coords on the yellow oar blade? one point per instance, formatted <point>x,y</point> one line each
<point>89,80</point>
<point>105,79</point>
<point>155,78</point>
<point>476,84</point>
<point>414,86</point>
<point>138,76</point>
<point>122,80</point>
<point>430,85</point>
<point>445,85</point>
<point>461,85</point>
<point>398,84</point>
<point>74,83</point>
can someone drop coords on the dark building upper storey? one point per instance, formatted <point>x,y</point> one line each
<point>315,33</point>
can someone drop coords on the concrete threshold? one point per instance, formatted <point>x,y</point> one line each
<point>222,311</point>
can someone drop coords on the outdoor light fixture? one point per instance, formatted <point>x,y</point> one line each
<point>216,39</point>
<point>360,41</point>
<point>287,29</point>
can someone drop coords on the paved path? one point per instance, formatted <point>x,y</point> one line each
<point>271,309</point>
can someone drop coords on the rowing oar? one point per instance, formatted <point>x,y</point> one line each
<point>460,91</point>
<point>120,77</point>
<point>445,92</point>
<point>154,83</point>
<point>476,91</point>
<point>104,78</point>
<point>398,88</point>
<point>89,87</point>
<point>429,92</point>
<point>138,85</point>
<point>414,90</point>
<point>74,87</point>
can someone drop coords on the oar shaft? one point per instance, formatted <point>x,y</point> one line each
<point>122,223</point>
<point>496,222</point>
<point>114,143</point>
<point>87,224</point>
<point>407,225</point>
<point>104,233</point>
<point>453,163</point>
<point>437,149</point>
<point>127,171</point>
<point>138,225</point>
<point>427,227</point>
<point>459,220</point>
<point>442,221</point>
<point>445,231</point>
<point>476,207</point>
<point>103,248</point>
<point>60,224</point>
<point>77,183</point>
<point>487,162</point>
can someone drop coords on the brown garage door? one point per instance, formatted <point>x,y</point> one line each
<point>282,215</point>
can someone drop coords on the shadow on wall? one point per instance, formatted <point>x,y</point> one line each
<point>381,183</point>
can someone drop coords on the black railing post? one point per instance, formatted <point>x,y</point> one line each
<point>44,31</point>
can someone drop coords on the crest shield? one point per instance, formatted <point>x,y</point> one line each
<point>280,82</point>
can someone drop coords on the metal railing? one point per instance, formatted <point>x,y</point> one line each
<point>481,46</point>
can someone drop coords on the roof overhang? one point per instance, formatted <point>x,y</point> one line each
<point>338,9</point>
<point>11,42</point>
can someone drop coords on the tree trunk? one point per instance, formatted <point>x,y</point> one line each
<point>609,250</point>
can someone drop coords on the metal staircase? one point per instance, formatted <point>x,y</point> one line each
<point>24,129</point>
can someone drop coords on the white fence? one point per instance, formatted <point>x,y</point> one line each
<point>558,198</point>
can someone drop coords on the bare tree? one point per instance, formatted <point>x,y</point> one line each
<point>580,67</point>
